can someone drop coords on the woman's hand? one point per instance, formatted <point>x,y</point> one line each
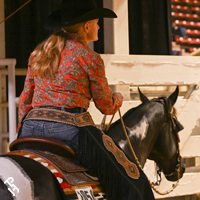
<point>119,95</point>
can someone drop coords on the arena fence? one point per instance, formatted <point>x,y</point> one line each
<point>155,75</point>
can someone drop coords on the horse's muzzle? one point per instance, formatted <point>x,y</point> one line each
<point>177,174</point>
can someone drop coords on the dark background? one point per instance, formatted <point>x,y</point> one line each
<point>149,29</point>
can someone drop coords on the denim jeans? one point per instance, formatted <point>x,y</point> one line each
<point>64,132</point>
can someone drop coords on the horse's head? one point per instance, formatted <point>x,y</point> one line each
<point>165,151</point>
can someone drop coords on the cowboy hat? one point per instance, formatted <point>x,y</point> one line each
<point>75,11</point>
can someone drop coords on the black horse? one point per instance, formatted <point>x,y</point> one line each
<point>153,131</point>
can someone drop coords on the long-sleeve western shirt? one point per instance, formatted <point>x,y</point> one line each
<point>80,77</point>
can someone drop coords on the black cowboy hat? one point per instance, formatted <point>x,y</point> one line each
<point>75,11</point>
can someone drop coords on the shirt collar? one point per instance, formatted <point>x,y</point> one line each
<point>75,36</point>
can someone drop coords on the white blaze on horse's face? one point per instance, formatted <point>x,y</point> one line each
<point>139,131</point>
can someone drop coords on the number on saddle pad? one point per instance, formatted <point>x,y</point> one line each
<point>85,193</point>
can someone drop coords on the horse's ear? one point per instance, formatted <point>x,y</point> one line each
<point>142,97</point>
<point>173,97</point>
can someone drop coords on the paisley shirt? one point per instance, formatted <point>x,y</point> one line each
<point>80,78</point>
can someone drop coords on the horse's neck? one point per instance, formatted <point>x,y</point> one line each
<point>141,129</point>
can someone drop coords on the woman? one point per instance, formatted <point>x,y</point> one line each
<point>65,74</point>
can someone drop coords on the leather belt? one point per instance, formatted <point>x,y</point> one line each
<point>49,114</point>
<point>71,110</point>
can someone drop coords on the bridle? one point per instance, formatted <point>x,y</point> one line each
<point>176,126</point>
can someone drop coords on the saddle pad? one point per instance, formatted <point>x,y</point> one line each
<point>16,179</point>
<point>66,180</point>
<point>98,196</point>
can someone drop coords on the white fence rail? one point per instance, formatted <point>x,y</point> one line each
<point>9,92</point>
<point>165,70</point>
<point>124,71</point>
<point>138,70</point>
<point>10,63</point>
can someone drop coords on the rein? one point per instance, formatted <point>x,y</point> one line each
<point>15,11</point>
<point>137,161</point>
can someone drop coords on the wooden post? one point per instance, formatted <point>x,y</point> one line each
<point>2,30</point>
<point>116,37</point>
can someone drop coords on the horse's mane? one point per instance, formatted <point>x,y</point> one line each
<point>133,111</point>
<point>144,106</point>
<point>167,105</point>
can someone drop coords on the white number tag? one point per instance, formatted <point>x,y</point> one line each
<point>85,193</point>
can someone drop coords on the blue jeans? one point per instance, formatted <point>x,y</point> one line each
<point>64,132</point>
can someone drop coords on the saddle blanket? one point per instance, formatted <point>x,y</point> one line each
<point>16,180</point>
<point>70,191</point>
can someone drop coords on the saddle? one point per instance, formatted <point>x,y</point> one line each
<point>43,144</point>
<point>58,155</point>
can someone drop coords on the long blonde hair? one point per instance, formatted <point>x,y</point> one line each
<point>45,58</point>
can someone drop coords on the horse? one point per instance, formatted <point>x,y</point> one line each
<point>152,128</point>
<point>153,132</point>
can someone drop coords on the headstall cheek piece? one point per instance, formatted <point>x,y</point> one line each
<point>172,117</point>
<point>175,128</point>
